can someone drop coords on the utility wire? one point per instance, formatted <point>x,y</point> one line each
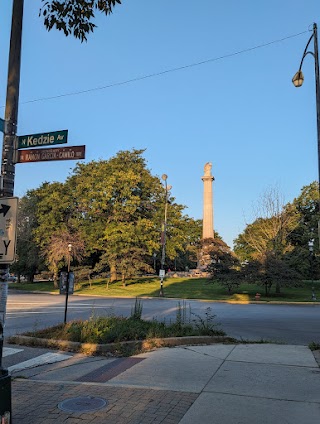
<point>167,71</point>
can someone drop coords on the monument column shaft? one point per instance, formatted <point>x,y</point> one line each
<point>207,226</point>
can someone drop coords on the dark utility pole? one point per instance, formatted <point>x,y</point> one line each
<point>12,101</point>
<point>7,182</point>
<point>11,118</point>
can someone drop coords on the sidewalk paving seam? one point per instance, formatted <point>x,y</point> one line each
<point>222,363</point>
<point>274,364</point>
<point>206,354</point>
<point>262,397</point>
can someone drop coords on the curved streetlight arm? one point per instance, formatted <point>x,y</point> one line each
<point>305,53</point>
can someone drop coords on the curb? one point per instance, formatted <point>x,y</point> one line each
<point>118,349</point>
<point>239,302</point>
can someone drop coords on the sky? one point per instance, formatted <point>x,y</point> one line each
<point>188,81</point>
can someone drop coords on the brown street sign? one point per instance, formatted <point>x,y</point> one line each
<point>54,153</point>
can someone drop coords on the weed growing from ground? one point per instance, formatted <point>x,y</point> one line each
<point>136,310</point>
<point>206,326</point>
<point>115,329</point>
<point>314,346</point>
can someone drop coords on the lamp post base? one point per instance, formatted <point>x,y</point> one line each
<point>161,293</point>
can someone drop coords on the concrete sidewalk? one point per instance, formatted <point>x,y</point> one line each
<point>223,384</point>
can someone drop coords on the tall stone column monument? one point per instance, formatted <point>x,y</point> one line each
<point>207,225</point>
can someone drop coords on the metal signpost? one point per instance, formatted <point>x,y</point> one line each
<point>66,288</point>
<point>9,127</point>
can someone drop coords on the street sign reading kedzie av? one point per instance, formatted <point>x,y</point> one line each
<point>42,139</point>
<point>55,153</point>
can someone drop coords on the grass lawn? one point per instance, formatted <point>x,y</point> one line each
<point>183,288</point>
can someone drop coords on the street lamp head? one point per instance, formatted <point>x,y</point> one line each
<point>164,177</point>
<point>69,247</point>
<point>298,79</point>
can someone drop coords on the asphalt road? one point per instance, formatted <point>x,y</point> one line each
<point>294,324</point>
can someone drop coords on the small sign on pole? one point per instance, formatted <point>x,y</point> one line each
<point>8,225</point>
<point>64,282</point>
<point>162,273</point>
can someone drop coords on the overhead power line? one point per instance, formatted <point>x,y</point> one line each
<point>167,71</point>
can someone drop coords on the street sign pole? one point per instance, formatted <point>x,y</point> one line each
<point>12,100</point>
<point>7,164</point>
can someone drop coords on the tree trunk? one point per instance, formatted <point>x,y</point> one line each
<point>55,280</point>
<point>113,273</point>
<point>278,288</point>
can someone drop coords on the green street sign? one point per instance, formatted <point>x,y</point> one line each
<point>2,122</point>
<point>42,139</point>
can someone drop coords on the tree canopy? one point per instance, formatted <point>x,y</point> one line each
<point>74,17</point>
<point>111,211</point>
<point>284,233</point>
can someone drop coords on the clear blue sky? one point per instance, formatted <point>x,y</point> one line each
<point>240,112</point>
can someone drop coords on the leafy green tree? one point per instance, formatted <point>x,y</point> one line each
<point>270,230</point>
<point>120,209</point>
<point>269,271</point>
<point>53,211</point>
<point>29,260</point>
<point>225,266</point>
<point>63,248</point>
<point>306,208</point>
<point>74,17</point>
<point>57,221</point>
<point>267,237</point>
<point>116,206</point>
<point>187,255</point>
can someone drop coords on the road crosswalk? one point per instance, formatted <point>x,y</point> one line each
<point>7,351</point>
<point>44,359</point>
